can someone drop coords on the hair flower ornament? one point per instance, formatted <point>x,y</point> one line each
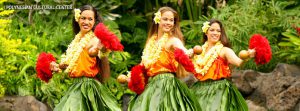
<point>77,14</point>
<point>205,26</point>
<point>157,17</point>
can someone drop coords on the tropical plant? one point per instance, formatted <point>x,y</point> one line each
<point>268,18</point>
<point>2,91</point>
<point>117,89</point>
<point>15,55</point>
<point>291,46</point>
<point>52,92</point>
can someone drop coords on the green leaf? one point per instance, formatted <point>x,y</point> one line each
<point>289,34</point>
<point>111,24</point>
<point>62,13</point>
<point>185,22</point>
<point>285,44</point>
<point>129,3</point>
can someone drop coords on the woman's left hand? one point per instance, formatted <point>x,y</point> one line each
<point>54,67</point>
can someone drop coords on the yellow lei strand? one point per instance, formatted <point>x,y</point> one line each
<point>152,50</point>
<point>74,50</point>
<point>204,61</point>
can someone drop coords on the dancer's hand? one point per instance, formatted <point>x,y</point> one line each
<point>54,67</point>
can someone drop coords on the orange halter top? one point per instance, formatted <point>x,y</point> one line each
<point>165,63</point>
<point>218,70</point>
<point>86,66</point>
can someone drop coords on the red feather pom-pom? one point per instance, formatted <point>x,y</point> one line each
<point>43,66</point>
<point>108,39</point>
<point>138,79</point>
<point>184,60</point>
<point>262,47</point>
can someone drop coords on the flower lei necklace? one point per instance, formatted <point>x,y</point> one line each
<point>204,61</point>
<point>74,50</point>
<point>152,50</point>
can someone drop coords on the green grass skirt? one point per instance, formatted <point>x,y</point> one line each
<point>164,92</point>
<point>87,94</point>
<point>220,95</point>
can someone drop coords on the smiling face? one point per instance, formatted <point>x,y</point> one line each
<point>167,21</point>
<point>86,21</point>
<point>214,33</point>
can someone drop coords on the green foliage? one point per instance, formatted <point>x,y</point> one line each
<point>193,9</point>
<point>117,89</point>
<point>268,18</point>
<point>14,53</point>
<point>53,36</point>
<point>14,57</point>
<point>193,35</point>
<point>2,91</point>
<point>105,7</point>
<point>52,92</point>
<point>291,46</point>
<point>120,61</point>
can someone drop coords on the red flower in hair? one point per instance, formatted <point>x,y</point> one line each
<point>138,79</point>
<point>262,47</point>
<point>108,39</point>
<point>43,66</point>
<point>184,60</point>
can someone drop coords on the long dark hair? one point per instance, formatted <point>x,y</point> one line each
<point>97,16</point>
<point>224,39</point>
<point>176,30</point>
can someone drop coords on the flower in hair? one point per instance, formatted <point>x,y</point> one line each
<point>77,14</point>
<point>205,26</point>
<point>157,17</point>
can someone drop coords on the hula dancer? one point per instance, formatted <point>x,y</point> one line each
<point>213,91</point>
<point>164,57</point>
<point>85,57</point>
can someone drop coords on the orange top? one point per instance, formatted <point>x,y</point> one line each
<point>165,63</point>
<point>86,65</point>
<point>219,69</point>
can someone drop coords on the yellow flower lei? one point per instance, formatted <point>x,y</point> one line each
<point>204,61</point>
<point>152,50</point>
<point>74,50</point>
